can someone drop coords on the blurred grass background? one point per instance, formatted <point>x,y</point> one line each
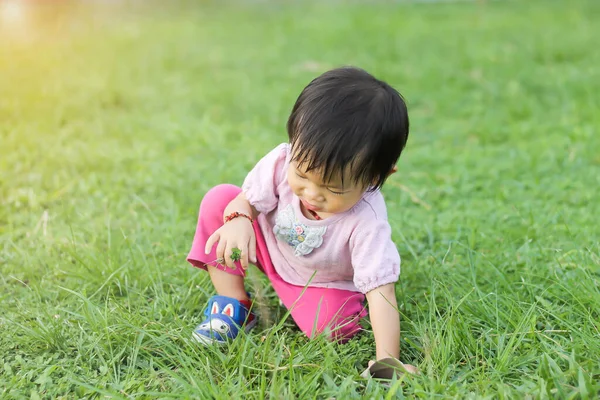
<point>116,117</point>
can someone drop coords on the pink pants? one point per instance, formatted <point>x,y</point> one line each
<point>314,311</point>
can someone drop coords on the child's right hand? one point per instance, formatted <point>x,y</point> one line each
<point>237,233</point>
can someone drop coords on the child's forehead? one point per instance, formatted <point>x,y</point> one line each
<point>335,178</point>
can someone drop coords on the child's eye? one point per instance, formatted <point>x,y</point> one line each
<point>336,193</point>
<point>300,176</point>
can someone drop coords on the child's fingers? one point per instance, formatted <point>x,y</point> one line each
<point>227,255</point>
<point>211,241</point>
<point>411,369</point>
<point>244,259</point>
<point>221,247</point>
<point>252,248</point>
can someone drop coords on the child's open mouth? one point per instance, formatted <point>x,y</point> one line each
<point>309,206</point>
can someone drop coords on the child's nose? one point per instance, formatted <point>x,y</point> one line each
<point>313,194</point>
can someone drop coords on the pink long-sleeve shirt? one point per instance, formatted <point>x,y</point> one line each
<point>352,250</point>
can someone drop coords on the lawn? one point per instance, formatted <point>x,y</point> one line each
<point>116,119</point>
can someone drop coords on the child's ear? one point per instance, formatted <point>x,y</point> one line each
<point>393,170</point>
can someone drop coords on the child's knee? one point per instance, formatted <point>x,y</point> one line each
<point>220,196</point>
<point>345,330</point>
<point>337,329</point>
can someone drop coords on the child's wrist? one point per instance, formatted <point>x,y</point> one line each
<point>236,214</point>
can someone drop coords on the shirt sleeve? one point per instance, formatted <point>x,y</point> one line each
<point>261,184</point>
<point>375,258</point>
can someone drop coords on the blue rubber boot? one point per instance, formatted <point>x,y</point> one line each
<point>225,317</point>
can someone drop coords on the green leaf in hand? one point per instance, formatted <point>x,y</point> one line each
<point>236,254</point>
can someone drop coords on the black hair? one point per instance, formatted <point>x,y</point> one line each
<point>348,118</point>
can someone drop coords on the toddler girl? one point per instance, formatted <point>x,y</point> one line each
<point>311,217</point>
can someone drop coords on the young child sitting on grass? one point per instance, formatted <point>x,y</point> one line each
<point>311,217</point>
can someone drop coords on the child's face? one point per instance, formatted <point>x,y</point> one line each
<point>324,198</point>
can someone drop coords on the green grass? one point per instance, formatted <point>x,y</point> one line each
<point>112,127</point>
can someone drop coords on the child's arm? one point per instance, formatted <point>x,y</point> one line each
<point>386,324</point>
<point>385,321</point>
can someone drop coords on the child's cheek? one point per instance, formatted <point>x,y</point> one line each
<point>335,203</point>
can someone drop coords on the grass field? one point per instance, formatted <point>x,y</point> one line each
<point>114,123</point>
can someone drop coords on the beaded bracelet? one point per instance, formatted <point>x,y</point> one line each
<point>236,214</point>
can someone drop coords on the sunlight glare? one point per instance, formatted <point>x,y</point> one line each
<point>12,12</point>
